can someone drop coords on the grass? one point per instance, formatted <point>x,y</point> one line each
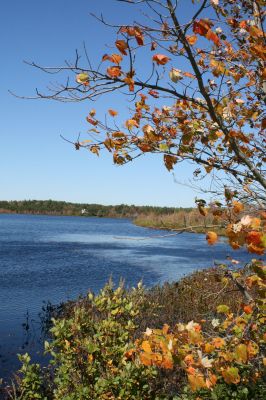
<point>191,221</point>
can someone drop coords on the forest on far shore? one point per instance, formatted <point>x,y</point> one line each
<point>51,207</point>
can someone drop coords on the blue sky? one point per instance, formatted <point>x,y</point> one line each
<point>35,162</point>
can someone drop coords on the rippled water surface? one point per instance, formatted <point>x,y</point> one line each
<point>46,258</point>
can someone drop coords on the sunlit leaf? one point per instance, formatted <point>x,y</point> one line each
<point>114,72</point>
<point>160,59</point>
<point>82,78</point>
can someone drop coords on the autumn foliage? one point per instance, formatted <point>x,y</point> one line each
<point>200,98</point>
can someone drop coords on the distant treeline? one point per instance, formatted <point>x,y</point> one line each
<point>51,207</point>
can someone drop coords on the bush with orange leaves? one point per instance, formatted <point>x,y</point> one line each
<point>230,360</point>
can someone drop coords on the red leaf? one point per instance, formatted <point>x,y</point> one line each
<point>91,121</point>
<point>154,94</point>
<point>201,27</point>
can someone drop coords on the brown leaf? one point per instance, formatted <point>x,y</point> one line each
<point>153,46</point>
<point>169,161</point>
<point>122,46</point>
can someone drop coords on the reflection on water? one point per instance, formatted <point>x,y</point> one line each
<point>58,258</point>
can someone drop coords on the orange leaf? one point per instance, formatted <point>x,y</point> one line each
<point>130,123</point>
<point>237,207</point>
<point>127,29</point>
<point>254,237</point>
<point>145,359</point>
<point>247,308</point>
<point>146,346</point>
<point>188,75</point>
<point>167,363</point>
<point>130,82</point>
<point>122,46</point>
<point>203,28</point>
<point>115,58</point>
<point>218,342</point>
<point>211,381</point>
<point>133,31</point>
<point>211,238</point>
<point>114,72</point>
<point>160,59</point>
<point>191,39</point>
<point>113,113</point>
<point>196,382</point>
<point>213,37</point>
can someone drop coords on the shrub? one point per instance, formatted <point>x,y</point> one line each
<point>99,349</point>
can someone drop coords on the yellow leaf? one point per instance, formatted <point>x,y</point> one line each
<point>82,78</point>
<point>241,354</point>
<point>196,382</point>
<point>130,123</point>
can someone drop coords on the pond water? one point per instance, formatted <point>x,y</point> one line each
<point>46,258</point>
